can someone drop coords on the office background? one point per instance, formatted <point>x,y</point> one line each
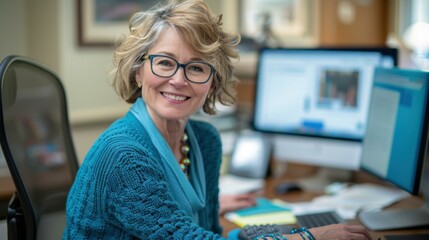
<point>47,30</point>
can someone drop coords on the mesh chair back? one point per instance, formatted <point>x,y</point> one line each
<point>37,143</point>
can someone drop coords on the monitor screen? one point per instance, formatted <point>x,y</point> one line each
<point>316,100</point>
<point>394,146</point>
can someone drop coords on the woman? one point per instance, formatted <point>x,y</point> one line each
<point>153,174</point>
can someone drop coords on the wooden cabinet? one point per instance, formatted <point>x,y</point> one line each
<point>353,22</point>
<point>339,23</point>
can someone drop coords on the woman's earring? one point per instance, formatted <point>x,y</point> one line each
<point>139,84</point>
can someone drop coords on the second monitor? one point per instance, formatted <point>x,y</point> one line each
<point>395,145</point>
<point>315,101</point>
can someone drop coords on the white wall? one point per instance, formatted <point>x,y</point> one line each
<point>46,30</point>
<point>85,71</point>
<point>12,27</point>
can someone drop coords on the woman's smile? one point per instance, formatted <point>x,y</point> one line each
<point>174,97</point>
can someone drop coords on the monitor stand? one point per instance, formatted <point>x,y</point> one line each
<point>395,218</point>
<point>400,218</point>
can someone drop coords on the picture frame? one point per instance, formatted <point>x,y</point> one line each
<point>102,22</point>
<point>286,22</point>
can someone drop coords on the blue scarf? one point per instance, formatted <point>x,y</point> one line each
<point>190,194</point>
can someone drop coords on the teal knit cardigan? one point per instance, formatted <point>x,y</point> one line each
<point>120,191</point>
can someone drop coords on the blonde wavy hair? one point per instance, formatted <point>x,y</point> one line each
<point>201,29</point>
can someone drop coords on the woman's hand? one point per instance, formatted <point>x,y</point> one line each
<point>234,202</point>
<point>340,232</point>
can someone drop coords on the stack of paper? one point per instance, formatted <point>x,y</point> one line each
<point>231,184</point>
<point>358,197</point>
<point>265,212</point>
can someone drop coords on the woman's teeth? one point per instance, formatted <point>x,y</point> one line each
<point>174,97</point>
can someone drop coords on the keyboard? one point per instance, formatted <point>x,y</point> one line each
<point>253,231</point>
<point>308,220</point>
<point>319,219</point>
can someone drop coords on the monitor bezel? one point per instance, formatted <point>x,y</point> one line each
<point>385,51</point>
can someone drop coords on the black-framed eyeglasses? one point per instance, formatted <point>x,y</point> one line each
<point>165,66</point>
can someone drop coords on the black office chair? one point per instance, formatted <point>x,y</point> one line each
<point>37,145</point>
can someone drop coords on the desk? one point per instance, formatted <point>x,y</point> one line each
<point>7,188</point>
<point>306,196</point>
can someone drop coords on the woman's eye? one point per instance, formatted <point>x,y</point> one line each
<point>165,63</point>
<point>196,69</point>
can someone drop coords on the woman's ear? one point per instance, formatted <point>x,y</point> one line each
<point>139,77</point>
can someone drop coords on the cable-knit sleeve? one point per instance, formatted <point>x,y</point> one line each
<point>137,199</point>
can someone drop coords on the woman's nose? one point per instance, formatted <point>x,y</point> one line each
<point>179,78</point>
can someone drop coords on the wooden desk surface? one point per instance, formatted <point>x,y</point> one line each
<point>7,188</point>
<point>57,177</point>
<point>269,192</point>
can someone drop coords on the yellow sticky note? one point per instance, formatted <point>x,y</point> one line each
<point>280,217</point>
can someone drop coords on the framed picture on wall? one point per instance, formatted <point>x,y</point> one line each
<point>278,22</point>
<point>101,22</point>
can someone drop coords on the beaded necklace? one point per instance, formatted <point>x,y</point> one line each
<point>184,149</point>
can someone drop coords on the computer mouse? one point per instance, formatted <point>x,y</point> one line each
<point>287,187</point>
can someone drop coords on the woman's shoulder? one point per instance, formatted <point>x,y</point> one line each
<point>125,127</point>
<point>124,134</point>
<point>203,128</point>
<point>207,136</point>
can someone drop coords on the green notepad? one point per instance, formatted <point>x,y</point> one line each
<point>263,205</point>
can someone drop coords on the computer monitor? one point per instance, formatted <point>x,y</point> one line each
<point>314,101</point>
<point>395,143</point>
